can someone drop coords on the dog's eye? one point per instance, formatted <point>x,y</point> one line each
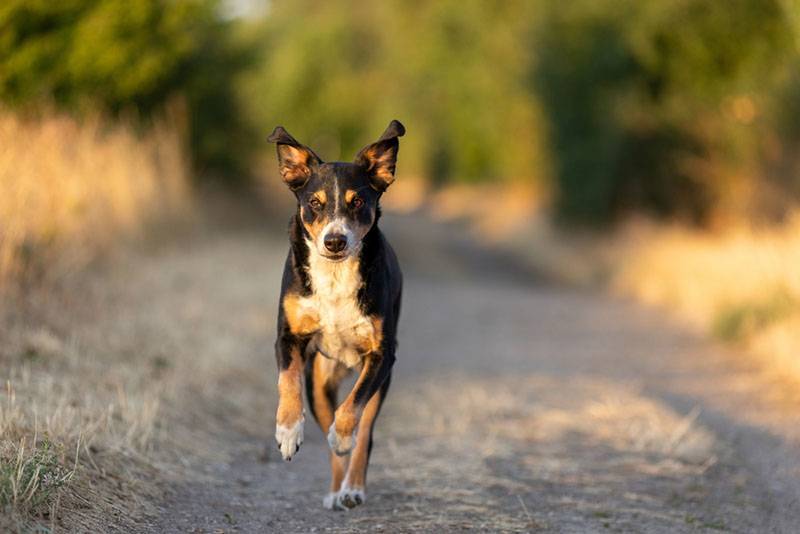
<point>357,202</point>
<point>315,203</point>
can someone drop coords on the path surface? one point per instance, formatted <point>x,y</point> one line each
<point>515,406</point>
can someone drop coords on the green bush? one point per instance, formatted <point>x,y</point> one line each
<point>130,56</point>
<point>682,109</point>
<point>453,72</point>
<point>739,321</point>
<point>635,94</point>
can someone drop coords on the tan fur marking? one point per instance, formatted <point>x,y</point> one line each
<point>302,320</point>
<point>380,164</point>
<point>349,195</point>
<point>328,372</point>
<point>357,471</point>
<point>346,418</point>
<point>372,342</point>
<point>290,397</point>
<point>294,164</point>
<point>348,414</point>
<point>321,196</point>
<point>315,227</point>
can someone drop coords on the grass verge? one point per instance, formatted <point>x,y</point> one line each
<point>740,284</point>
<point>71,190</point>
<point>75,424</point>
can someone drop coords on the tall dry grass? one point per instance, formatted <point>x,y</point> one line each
<point>69,189</point>
<point>741,284</point>
<point>74,424</point>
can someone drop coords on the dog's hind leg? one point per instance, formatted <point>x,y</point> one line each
<point>353,490</point>
<point>322,382</point>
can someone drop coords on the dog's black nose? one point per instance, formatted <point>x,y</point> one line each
<point>335,242</point>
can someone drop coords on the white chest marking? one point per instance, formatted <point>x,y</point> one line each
<point>342,326</point>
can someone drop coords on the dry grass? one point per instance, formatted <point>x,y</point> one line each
<point>517,435</point>
<point>741,284</point>
<point>152,364</point>
<point>69,190</point>
<point>611,414</point>
<point>74,422</point>
<point>77,426</point>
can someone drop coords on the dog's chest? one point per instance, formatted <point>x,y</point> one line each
<point>344,333</point>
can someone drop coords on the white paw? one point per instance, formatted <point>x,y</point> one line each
<point>348,498</point>
<point>339,444</point>
<point>289,438</point>
<point>330,501</point>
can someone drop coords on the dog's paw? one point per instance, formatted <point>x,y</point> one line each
<point>331,502</point>
<point>340,444</point>
<point>289,438</point>
<point>349,498</point>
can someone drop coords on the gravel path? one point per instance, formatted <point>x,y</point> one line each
<point>516,406</point>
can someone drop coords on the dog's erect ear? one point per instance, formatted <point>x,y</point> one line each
<point>379,158</point>
<point>296,161</point>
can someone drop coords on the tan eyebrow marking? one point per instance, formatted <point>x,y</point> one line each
<point>321,196</point>
<point>349,195</point>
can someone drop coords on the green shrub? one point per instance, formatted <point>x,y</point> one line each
<point>738,322</point>
<point>455,73</point>
<point>127,56</point>
<point>635,95</point>
<point>30,480</point>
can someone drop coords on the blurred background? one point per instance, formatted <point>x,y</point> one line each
<point>646,148</point>
<point>670,128</point>
<point>676,109</point>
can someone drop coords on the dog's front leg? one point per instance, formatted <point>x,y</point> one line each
<point>376,367</point>
<point>289,421</point>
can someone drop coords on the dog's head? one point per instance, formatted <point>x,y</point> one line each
<point>338,202</point>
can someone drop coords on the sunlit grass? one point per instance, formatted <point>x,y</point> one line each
<point>71,424</point>
<point>69,190</point>
<point>740,284</point>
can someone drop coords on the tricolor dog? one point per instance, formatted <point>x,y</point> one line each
<point>340,301</point>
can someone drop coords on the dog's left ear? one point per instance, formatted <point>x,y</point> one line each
<point>378,159</point>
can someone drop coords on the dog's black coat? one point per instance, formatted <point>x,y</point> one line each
<point>337,221</point>
<point>380,293</point>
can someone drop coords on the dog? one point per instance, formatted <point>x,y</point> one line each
<point>339,305</point>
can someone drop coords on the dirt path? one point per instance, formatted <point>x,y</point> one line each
<point>515,406</point>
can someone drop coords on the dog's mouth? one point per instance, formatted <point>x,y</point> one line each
<point>336,258</point>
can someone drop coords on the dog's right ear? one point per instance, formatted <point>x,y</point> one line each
<point>296,161</point>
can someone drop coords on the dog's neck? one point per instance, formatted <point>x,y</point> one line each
<point>333,279</point>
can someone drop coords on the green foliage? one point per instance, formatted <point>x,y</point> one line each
<point>123,56</point>
<point>738,322</point>
<point>679,108</point>
<point>623,105</point>
<point>635,94</point>
<point>453,72</point>
<point>118,53</point>
<point>29,483</point>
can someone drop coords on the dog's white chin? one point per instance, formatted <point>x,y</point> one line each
<point>335,259</point>
<point>351,252</point>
